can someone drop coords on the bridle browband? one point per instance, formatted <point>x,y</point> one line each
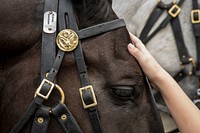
<point>68,40</point>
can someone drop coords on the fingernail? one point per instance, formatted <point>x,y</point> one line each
<point>131,46</point>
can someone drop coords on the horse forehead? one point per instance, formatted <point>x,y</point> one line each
<point>109,55</point>
<point>21,23</point>
<point>19,11</point>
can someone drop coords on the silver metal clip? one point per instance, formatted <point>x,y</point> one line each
<point>198,92</point>
<point>50,22</point>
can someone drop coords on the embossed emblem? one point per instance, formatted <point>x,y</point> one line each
<point>67,40</point>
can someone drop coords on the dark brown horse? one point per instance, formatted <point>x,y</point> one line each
<point>125,101</point>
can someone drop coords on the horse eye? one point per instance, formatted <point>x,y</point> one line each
<point>126,92</point>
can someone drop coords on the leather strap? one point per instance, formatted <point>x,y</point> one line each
<point>95,118</point>
<point>41,120</point>
<point>182,50</point>
<point>195,18</point>
<point>101,28</point>
<point>27,115</point>
<point>150,22</point>
<point>184,56</point>
<point>181,75</point>
<point>196,29</point>
<point>56,66</point>
<point>48,55</point>
<point>78,54</point>
<point>87,96</point>
<point>145,37</point>
<point>61,114</point>
<point>48,50</point>
<point>45,88</point>
<point>65,119</point>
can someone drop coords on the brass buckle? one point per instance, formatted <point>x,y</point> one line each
<point>192,16</point>
<point>89,87</point>
<point>62,94</point>
<point>177,10</point>
<point>37,93</point>
<point>191,60</point>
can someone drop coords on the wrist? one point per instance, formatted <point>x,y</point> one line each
<point>160,78</point>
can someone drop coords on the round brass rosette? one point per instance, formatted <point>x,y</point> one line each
<point>67,40</point>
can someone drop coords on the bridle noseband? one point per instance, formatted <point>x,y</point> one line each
<point>59,16</point>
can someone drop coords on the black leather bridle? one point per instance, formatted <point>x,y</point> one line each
<point>173,10</point>
<point>172,17</point>
<point>195,19</point>
<point>62,11</point>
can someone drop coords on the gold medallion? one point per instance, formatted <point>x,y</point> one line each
<point>67,40</point>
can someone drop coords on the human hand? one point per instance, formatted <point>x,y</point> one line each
<point>148,63</point>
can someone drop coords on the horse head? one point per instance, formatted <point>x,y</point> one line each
<point>124,99</point>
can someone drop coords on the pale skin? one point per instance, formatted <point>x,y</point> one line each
<point>184,112</point>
